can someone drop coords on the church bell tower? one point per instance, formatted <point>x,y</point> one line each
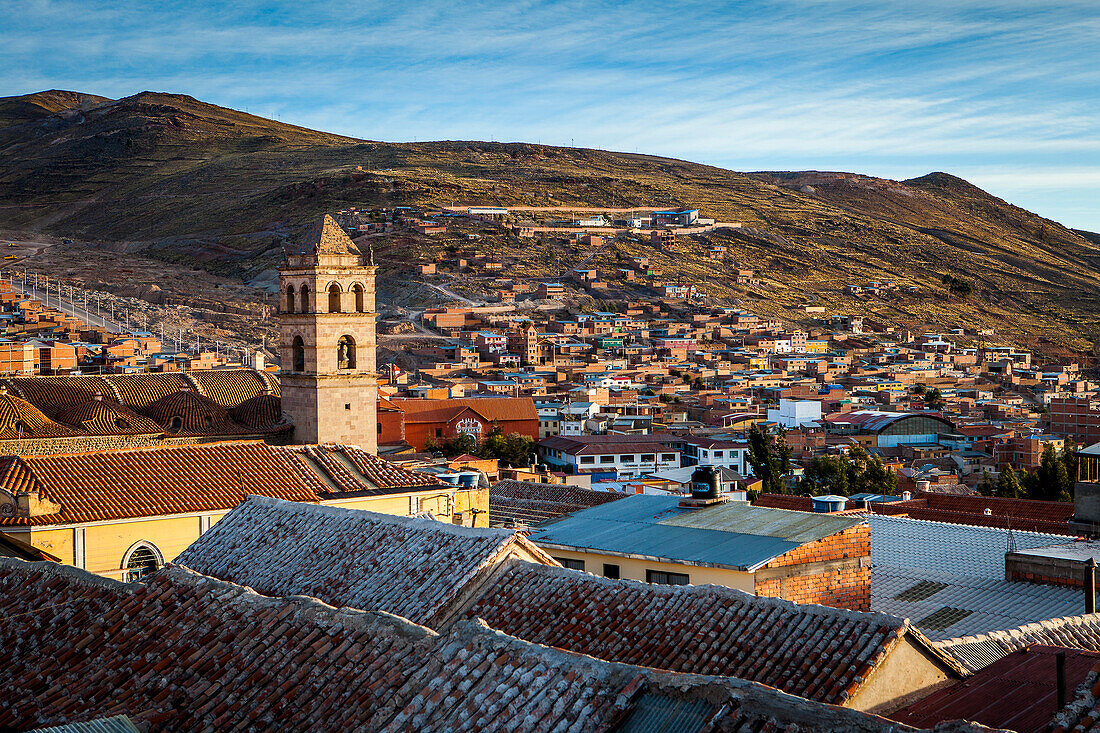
<point>327,344</point>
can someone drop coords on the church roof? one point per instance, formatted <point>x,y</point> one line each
<point>326,237</point>
<point>21,419</point>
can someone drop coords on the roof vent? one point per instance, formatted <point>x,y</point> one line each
<point>829,503</point>
<point>906,495</point>
<point>988,512</point>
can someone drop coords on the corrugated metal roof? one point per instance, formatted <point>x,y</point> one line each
<point>116,724</point>
<point>731,534</point>
<point>661,714</point>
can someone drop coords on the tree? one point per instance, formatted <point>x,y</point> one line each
<point>770,459</point>
<point>1008,487</point>
<point>456,446</point>
<point>934,398</point>
<point>987,487</point>
<point>1050,481</point>
<point>919,389</point>
<point>512,450</point>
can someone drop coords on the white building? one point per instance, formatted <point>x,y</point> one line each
<point>618,456</point>
<point>796,413</point>
<point>701,451</point>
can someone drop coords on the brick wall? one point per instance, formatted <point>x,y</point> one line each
<point>834,571</point>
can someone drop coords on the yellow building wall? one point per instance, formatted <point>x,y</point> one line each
<point>632,569</point>
<point>106,544</point>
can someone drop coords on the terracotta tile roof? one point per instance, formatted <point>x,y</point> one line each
<point>499,409</point>
<point>52,393</point>
<point>231,387</point>
<point>406,566</point>
<point>142,390</point>
<point>331,468</point>
<point>106,417</point>
<point>21,419</point>
<point>784,501</point>
<point>181,651</point>
<point>1017,692</point>
<point>142,482</point>
<point>189,413</point>
<point>527,502</point>
<point>261,413</point>
<point>816,652</point>
<point>980,650</point>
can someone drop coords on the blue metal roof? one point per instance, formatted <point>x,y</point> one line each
<point>732,535</point>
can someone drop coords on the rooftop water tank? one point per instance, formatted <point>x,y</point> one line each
<point>829,503</point>
<point>705,483</point>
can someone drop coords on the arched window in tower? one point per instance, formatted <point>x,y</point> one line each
<point>334,298</point>
<point>289,299</point>
<point>345,353</point>
<point>298,354</point>
<point>305,298</point>
<point>360,298</point>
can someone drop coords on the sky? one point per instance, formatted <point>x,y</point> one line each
<point>1004,94</point>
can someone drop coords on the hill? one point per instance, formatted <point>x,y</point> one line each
<point>189,182</point>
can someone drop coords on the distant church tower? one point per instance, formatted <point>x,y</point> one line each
<point>327,340</point>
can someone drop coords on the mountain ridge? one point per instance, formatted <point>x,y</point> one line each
<point>191,182</point>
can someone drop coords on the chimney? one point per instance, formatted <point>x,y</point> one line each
<point>1060,671</point>
<point>1090,586</point>
<point>906,495</point>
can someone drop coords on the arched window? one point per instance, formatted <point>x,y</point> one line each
<point>175,424</point>
<point>289,299</point>
<point>141,559</point>
<point>360,298</point>
<point>334,298</point>
<point>345,353</point>
<point>305,298</point>
<point>298,354</point>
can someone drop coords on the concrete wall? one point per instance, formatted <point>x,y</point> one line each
<point>907,674</point>
<point>633,569</point>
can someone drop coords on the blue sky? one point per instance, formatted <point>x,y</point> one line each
<point>1004,94</point>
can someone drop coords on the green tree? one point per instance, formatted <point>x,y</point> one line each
<point>512,450</point>
<point>919,389</point>
<point>1008,486</point>
<point>770,459</point>
<point>934,398</point>
<point>987,487</point>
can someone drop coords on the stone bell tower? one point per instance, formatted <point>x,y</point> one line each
<point>327,340</point>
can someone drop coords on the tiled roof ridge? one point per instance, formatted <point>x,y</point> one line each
<point>899,624</point>
<point>145,449</point>
<point>1059,539</point>
<point>315,609</point>
<point>379,518</point>
<point>1018,635</point>
<point>68,572</point>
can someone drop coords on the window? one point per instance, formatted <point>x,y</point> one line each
<point>334,298</point>
<point>439,432</point>
<point>626,459</point>
<point>660,577</point>
<point>717,454</point>
<point>648,458</point>
<point>140,560</point>
<point>347,405</point>
<point>610,570</point>
<point>607,459</point>
<point>289,299</point>
<point>298,354</point>
<point>345,353</point>
<point>360,300</point>
<point>668,456</point>
<point>570,563</point>
<point>122,424</point>
<point>175,425</point>
<point>587,460</point>
<point>305,298</point>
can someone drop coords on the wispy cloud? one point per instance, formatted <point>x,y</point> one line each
<point>890,87</point>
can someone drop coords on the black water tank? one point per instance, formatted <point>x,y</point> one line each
<point>704,483</point>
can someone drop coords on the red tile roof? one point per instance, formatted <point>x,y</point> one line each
<point>816,652</point>
<point>330,468</point>
<point>527,502</point>
<point>493,409</point>
<point>1018,692</point>
<point>180,651</point>
<point>784,501</point>
<point>1023,514</point>
<point>1082,713</point>
<point>376,562</point>
<point>144,482</point>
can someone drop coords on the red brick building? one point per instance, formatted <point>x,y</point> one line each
<point>441,420</point>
